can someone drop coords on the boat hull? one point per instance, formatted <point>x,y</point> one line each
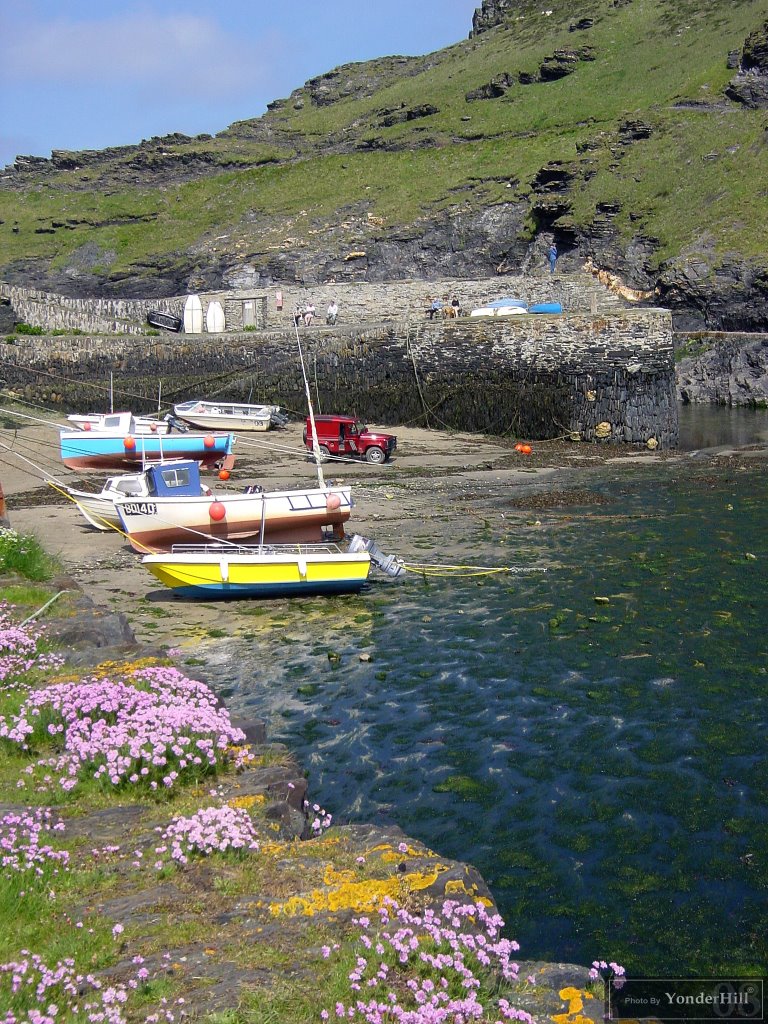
<point>98,511</point>
<point>299,516</point>
<point>246,424</point>
<point>260,573</point>
<point>88,450</point>
<point>237,416</point>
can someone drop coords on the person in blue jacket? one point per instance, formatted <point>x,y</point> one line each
<point>552,257</point>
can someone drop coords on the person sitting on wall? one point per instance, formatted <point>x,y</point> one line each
<point>298,315</point>
<point>309,312</point>
<point>333,313</point>
<point>434,308</point>
<point>456,306</point>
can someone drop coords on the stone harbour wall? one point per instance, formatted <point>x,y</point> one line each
<point>359,302</point>
<point>607,377</point>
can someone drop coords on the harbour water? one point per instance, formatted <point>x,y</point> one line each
<point>592,737</point>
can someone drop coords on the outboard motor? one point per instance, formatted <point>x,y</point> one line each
<point>391,565</point>
<point>175,424</point>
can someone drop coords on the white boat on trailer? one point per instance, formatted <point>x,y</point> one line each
<point>236,416</point>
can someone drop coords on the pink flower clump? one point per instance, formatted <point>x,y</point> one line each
<point>31,992</point>
<point>606,970</point>
<point>150,728</point>
<point>432,968</point>
<point>19,652</point>
<point>210,830</point>
<point>22,845</point>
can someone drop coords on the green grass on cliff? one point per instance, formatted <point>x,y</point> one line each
<point>697,183</point>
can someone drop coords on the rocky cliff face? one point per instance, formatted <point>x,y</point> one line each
<point>724,370</point>
<point>750,85</point>
<point>492,13</point>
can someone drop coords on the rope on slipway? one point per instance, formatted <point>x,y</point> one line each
<point>467,571</point>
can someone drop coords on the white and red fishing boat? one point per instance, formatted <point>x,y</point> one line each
<point>304,515</point>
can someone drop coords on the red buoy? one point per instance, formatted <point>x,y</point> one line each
<point>86,426</point>
<point>332,502</point>
<point>223,474</point>
<point>153,427</point>
<point>209,440</point>
<point>129,443</point>
<point>216,511</point>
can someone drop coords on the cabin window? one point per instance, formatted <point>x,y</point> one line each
<point>175,478</point>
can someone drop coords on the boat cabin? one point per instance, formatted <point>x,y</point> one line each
<point>173,479</point>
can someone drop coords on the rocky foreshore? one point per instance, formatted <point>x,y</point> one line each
<point>309,884</point>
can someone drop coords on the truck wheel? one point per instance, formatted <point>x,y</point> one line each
<point>375,455</point>
<point>325,452</point>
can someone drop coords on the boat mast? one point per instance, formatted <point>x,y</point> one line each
<point>315,442</point>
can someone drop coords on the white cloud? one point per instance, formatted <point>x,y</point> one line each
<point>159,56</point>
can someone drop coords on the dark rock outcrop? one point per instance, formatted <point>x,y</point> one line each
<point>497,87</point>
<point>729,294</point>
<point>750,85</point>
<point>490,14</point>
<point>7,317</point>
<point>725,370</point>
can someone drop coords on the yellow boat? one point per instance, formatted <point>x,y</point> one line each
<point>268,570</point>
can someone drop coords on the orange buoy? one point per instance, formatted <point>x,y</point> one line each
<point>332,502</point>
<point>216,511</point>
<point>223,474</point>
<point>86,426</point>
<point>209,440</point>
<point>526,449</point>
<point>519,446</point>
<point>129,443</point>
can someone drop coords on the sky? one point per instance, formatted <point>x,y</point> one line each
<point>87,74</point>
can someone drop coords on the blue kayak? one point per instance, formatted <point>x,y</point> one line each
<point>546,307</point>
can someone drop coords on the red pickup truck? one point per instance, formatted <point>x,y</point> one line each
<point>344,435</point>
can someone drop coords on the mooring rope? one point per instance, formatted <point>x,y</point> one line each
<point>467,571</point>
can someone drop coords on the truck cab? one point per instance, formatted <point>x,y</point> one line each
<point>344,435</point>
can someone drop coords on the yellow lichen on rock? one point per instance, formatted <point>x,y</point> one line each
<point>457,887</point>
<point>355,896</point>
<point>244,802</point>
<point>575,998</point>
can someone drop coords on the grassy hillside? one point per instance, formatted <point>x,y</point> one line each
<point>374,147</point>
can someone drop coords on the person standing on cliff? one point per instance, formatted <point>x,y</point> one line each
<point>552,257</point>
